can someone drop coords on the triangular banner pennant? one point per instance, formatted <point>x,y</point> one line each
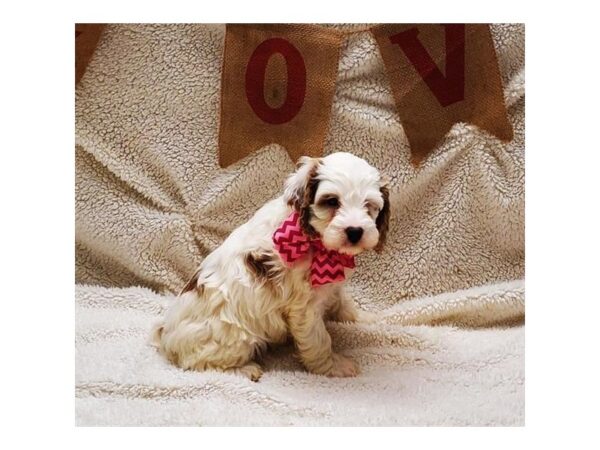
<point>441,75</point>
<point>278,83</point>
<point>86,39</point>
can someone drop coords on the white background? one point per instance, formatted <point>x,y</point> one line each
<point>562,226</point>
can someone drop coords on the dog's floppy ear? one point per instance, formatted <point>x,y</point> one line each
<point>301,188</point>
<point>297,183</point>
<point>383,218</point>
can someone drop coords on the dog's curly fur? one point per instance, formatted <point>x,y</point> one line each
<point>244,297</point>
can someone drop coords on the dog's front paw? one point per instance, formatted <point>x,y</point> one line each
<point>343,367</point>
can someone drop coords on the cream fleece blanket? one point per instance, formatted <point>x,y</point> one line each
<point>151,202</point>
<point>411,374</point>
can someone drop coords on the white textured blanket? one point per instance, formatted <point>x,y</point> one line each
<point>151,202</point>
<point>411,374</point>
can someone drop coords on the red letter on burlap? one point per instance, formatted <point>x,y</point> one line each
<point>296,81</point>
<point>429,102</point>
<point>277,86</point>
<point>447,89</point>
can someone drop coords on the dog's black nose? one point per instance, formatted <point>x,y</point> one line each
<point>354,234</point>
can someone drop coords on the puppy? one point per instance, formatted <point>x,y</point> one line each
<point>282,273</point>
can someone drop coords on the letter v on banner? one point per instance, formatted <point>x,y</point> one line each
<point>441,75</point>
<point>277,86</point>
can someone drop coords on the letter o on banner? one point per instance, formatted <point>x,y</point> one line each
<point>296,81</point>
<point>277,87</point>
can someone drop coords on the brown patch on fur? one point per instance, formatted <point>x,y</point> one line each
<point>173,358</point>
<point>263,266</point>
<point>258,265</point>
<point>192,284</point>
<point>305,195</point>
<point>383,218</point>
<point>308,198</point>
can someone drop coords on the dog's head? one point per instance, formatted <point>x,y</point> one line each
<point>342,199</point>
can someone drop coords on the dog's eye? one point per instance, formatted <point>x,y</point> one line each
<point>332,202</point>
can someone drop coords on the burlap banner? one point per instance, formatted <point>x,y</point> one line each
<point>278,83</point>
<point>86,39</point>
<point>441,75</point>
<point>277,86</point>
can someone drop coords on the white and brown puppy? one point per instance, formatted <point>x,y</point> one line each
<point>244,296</point>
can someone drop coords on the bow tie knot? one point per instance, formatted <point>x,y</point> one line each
<point>327,266</point>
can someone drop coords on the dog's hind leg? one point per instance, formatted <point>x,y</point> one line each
<point>251,370</point>
<point>231,352</point>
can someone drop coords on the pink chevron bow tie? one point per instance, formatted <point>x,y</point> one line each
<point>327,265</point>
